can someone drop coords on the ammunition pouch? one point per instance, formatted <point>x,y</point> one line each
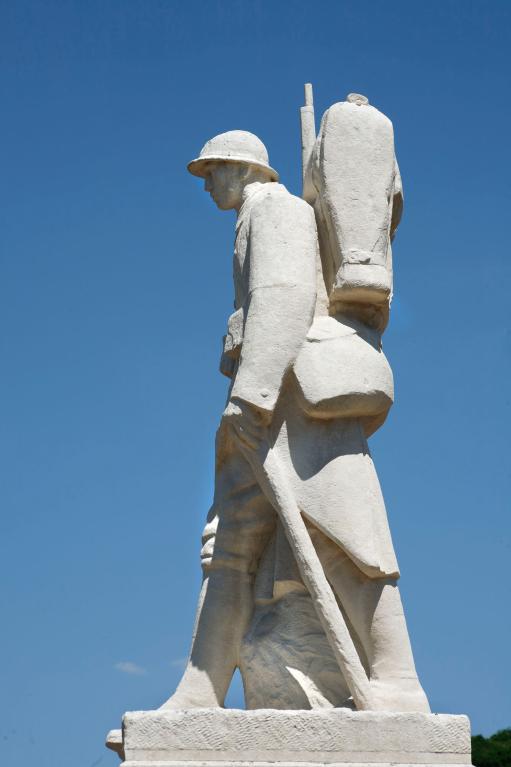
<point>341,372</point>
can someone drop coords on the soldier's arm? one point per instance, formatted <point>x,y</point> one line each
<point>282,295</point>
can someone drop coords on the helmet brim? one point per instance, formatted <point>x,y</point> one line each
<point>198,167</point>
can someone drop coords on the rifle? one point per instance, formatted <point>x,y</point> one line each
<point>308,126</point>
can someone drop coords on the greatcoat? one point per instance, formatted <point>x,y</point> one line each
<point>280,311</point>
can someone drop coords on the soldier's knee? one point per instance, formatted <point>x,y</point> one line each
<point>208,541</point>
<point>214,557</point>
<point>218,555</point>
<point>206,554</point>
<point>229,546</point>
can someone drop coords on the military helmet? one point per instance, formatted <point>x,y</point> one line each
<point>233,146</point>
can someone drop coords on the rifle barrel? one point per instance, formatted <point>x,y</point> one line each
<point>308,138</point>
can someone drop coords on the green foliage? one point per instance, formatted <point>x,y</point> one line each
<point>494,751</point>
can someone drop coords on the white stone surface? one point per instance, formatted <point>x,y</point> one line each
<point>286,661</point>
<point>263,737</point>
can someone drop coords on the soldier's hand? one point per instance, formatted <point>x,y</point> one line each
<point>249,423</point>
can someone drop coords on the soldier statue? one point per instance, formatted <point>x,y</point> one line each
<point>288,393</point>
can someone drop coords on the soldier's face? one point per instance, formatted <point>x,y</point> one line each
<point>225,181</point>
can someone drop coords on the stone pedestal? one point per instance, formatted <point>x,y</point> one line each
<point>272,738</point>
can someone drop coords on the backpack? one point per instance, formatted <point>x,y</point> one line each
<point>352,180</point>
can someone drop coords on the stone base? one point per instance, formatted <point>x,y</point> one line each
<point>271,738</point>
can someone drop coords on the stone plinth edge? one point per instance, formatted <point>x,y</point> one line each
<point>272,738</point>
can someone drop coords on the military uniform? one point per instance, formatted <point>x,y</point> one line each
<point>321,384</point>
<point>326,460</point>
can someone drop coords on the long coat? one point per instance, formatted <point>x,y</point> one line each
<point>279,306</point>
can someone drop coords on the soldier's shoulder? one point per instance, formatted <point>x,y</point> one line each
<point>275,197</point>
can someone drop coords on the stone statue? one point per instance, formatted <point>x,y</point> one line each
<point>285,346</point>
<point>300,577</point>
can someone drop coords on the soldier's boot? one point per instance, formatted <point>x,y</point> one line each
<point>393,678</point>
<point>375,613</point>
<point>224,611</point>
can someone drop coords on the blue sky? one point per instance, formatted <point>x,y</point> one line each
<point>115,286</point>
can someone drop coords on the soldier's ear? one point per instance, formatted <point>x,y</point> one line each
<point>245,171</point>
<point>251,172</point>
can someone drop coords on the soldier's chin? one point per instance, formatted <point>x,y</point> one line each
<point>223,204</point>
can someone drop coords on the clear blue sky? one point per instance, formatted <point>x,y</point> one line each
<point>115,285</point>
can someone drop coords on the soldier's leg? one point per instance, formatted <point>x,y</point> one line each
<point>374,609</point>
<point>238,528</point>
